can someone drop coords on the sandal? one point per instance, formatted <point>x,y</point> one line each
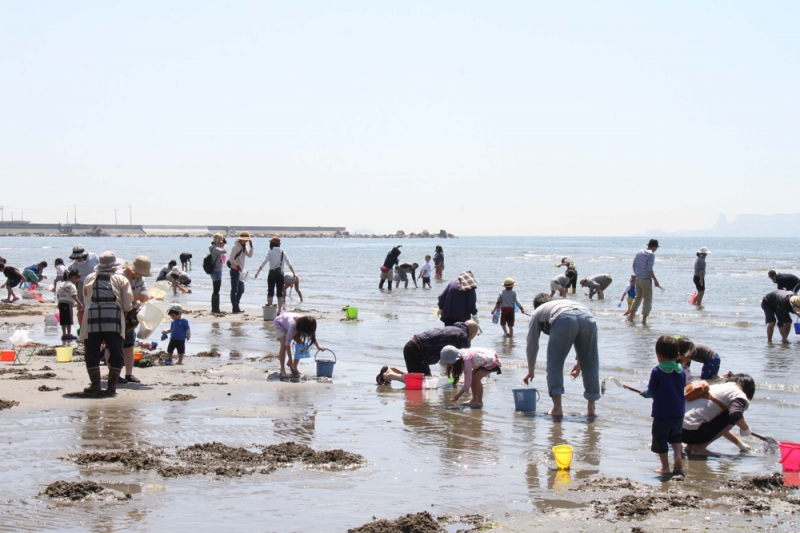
<point>379,378</point>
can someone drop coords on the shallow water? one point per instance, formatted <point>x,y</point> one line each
<point>420,452</point>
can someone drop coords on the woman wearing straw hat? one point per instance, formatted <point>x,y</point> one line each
<point>700,274</point>
<point>239,253</point>
<point>507,302</point>
<point>108,297</point>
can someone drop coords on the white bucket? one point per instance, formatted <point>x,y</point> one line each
<point>150,317</point>
<point>50,320</point>
<point>270,312</point>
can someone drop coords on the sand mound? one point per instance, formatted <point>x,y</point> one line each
<point>179,398</point>
<point>7,404</point>
<point>411,523</point>
<point>66,490</point>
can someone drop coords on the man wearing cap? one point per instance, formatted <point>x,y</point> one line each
<point>643,265</point>
<point>275,261</point>
<point>239,252</point>
<point>700,274</point>
<point>776,306</point>
<point>568,324</point>
<point>85,263</point>
<point>135,272</point>
<point>109,297</point>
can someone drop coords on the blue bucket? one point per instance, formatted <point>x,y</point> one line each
<point>525,399</point>
<point>301,351</point>
<point>797,327</point>
<point>325,366</point>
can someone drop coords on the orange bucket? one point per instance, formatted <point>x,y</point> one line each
<point>7,356</point>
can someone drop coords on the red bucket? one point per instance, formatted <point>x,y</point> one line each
<point>790,456</point>
<point>7,356</point>
<point>414,381</point>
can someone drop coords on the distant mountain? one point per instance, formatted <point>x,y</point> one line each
<point>745,226</point>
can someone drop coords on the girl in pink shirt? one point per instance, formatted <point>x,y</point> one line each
<point>475,364</point>
<point>300,329</point>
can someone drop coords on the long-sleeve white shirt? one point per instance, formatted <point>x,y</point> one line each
<point>545,314</point>
<point>238,255</point>
<point>273,260</point>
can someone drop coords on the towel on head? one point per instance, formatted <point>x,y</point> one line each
<point>466,281</point>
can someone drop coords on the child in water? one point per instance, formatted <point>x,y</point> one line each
<point>507,300</point>
<point>475,364</point>
<point>667,381</point>
<point>300,329</point>
<point>180,332</point>
<point>425,272</point>
<point>699,353</point>
<point>630,291</point>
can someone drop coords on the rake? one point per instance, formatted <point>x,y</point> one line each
<point>618,383</point>
<point>770,444</point>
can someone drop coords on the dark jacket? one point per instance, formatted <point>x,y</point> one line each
<point>392,258</point>
<point>457,305</point>
<point>787,282</point>
<point>432,341</point>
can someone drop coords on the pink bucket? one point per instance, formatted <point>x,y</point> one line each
<point>790,456</point>
<point>414,381</point>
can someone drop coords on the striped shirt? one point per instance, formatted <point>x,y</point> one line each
<point>643,264</point>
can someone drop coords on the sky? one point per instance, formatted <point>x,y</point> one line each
<point>481,118</point>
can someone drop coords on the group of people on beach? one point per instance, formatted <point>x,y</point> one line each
<point>684,412</point>
<point>107,293</point>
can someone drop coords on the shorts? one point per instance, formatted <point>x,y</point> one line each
<point>630,303</point>
<point>13,282</point>
<point>708,430</point>
<point>64,313</point>
<point>288,279</point>
<point>275,283</point>
<point>781,316</point>
<point>507,316</point>
<point>711,368</point>
<point>176,345</point>
<point>426,280</point>
<point>556,287</point>
<point>415,359</point>
<point>387,275</point>
<point>697,285</point>
<point>30,275</point>
<point>130,339</point>
<point>497,369</point>
<point>666,431</point>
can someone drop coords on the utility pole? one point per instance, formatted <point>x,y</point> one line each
<point>67,218</point>
<point>130,212</point>
<point>2,214</point>
<point>115,217</point>
<point>75,218</point>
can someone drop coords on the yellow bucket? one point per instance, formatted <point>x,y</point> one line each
<point>64,354</point>
<point>563,455</point>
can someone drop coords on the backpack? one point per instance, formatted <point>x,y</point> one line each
<point>701,389</point>
<point>208,264</point>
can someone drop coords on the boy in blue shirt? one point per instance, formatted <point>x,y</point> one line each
<point>667,381</point>
<point>630,292</point>
<point>180,332</point>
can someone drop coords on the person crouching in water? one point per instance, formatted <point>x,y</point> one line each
<point>300,329</point>
<point>475,364</point>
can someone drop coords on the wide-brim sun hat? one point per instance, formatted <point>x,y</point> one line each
<point>140,265</point>
<point>78,252</point>
<point>509,282</point>
<point>795,301</point>
<point>703,251</point>
<point>107,262</point>
<point>175,272</point>
<point>449,355</point>
<point>243,236</point>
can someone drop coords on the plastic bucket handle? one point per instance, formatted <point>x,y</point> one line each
<point>327,350</point>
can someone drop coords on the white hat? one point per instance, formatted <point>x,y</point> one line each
<point>703,250</point>
<point>449,355</point>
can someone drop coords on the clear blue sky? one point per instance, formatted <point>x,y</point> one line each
<point>492,118</point>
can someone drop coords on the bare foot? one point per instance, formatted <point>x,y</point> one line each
<point>662,471</point>
<point>553,412</point>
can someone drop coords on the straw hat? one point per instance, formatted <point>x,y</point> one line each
<point>140,265</point>
<point>509,282</point>
<point>795,301</point>
<point>107,262</point>
<point>703,251</point>
<point>243,236</point>
<point>275,240</point>
<point>78,252</point>
<point>218,238</point>
<point>449,355</point>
